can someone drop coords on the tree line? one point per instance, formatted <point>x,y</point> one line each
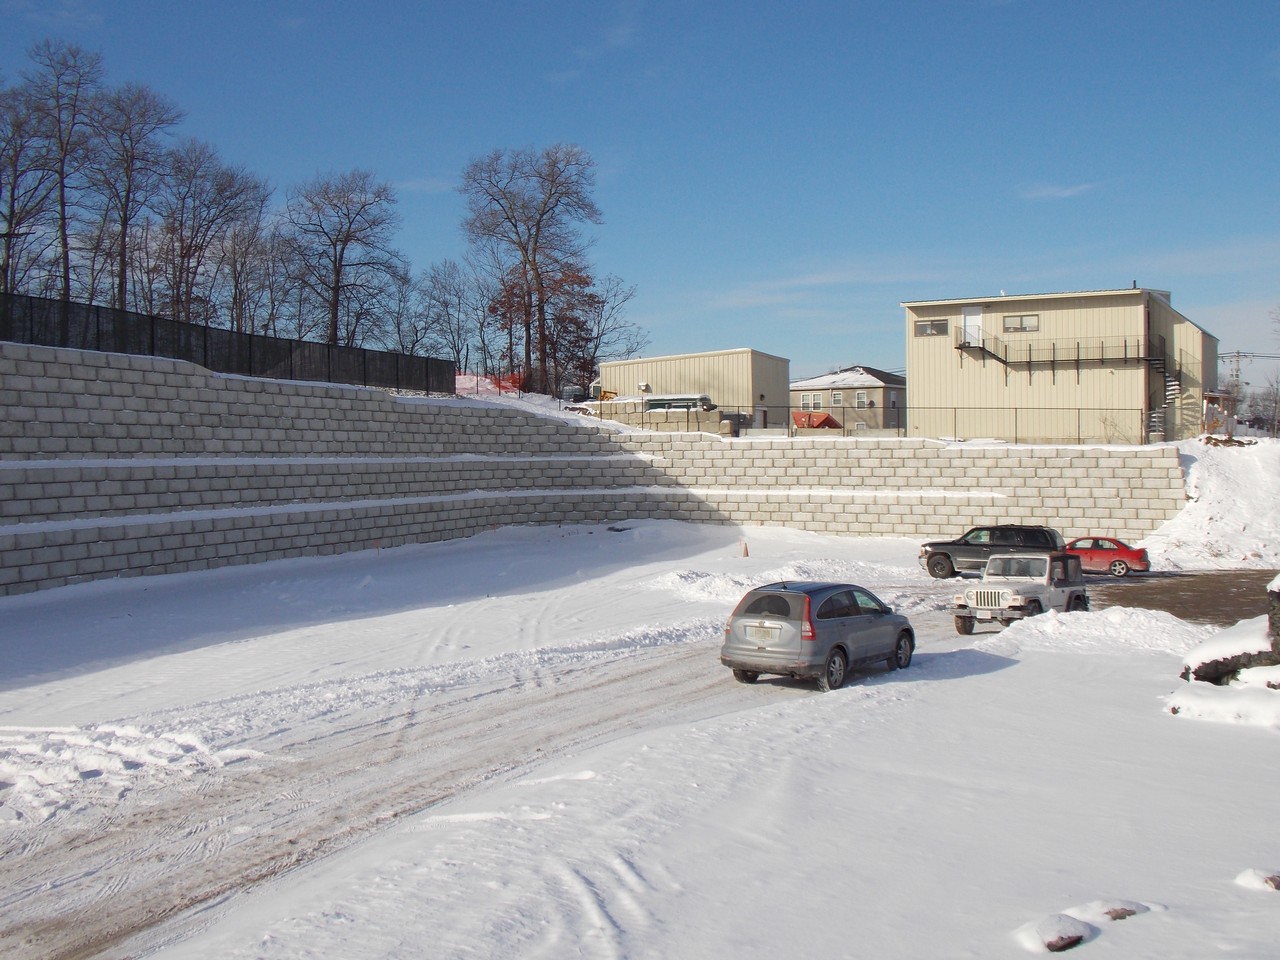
<point>103,202</point>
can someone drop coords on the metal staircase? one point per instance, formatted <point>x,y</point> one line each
<point>1156,419</point>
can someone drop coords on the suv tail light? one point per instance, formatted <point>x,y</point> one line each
<point>806,625</point>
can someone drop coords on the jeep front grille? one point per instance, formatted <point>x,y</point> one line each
<point>987,599</point>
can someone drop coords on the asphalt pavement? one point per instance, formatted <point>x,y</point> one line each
<point>1221,597</point>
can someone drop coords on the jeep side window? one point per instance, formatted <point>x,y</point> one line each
<point>1058,572</point>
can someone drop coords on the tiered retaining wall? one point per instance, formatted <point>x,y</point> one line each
<point>116,465</point>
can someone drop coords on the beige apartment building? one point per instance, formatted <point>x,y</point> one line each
<point>861,400</point>
<point>1109,366</point>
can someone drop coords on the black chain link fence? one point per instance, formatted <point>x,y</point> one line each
<point>59,323</point>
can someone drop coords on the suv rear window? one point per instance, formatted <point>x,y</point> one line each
<point>768,605</point>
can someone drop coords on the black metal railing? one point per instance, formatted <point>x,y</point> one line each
<point>1058,350</point>
<point>60,323</point>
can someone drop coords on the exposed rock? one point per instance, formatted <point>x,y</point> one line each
<point>1213,440</point>
<point>1121,913</point>
<point>1273,620</point>
<point>1062,931</point>
<point>1224,671</point>
<point>1064,943</point>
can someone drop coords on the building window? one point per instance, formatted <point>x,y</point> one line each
<point>1025,323</point>
<point>893,399</point>
<point>837,398</point>
<point>860,399</point>
<point>931,328</point>
<point>810,401</point>
<point>859,426</point>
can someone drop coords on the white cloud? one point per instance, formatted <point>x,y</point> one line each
<point>1055,191</point>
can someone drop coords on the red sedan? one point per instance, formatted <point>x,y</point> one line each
<point>1108,555</point>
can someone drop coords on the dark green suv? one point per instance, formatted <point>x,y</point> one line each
<point>946,558</point>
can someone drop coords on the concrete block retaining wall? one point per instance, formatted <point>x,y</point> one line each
<point>116,465</point>
<point>922,488</point>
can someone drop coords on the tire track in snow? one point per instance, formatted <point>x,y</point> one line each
<point>271,815</point>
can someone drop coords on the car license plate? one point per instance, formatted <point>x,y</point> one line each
<point>760,633</point>
<point>983,614</point>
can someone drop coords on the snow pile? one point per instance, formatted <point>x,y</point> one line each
<point>1231,519</point>
<point>1247,636</point>
<point>1116,631</point>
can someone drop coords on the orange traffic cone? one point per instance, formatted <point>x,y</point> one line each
<point>745,552</point>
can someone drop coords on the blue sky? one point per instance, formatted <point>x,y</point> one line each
<point>777,176</point>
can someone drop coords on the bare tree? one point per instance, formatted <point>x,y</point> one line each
<point>202,199</point>
<point>127,167</point>
<point>375,294</point>
<point>244,250</point>
<point>342,226</point>
<point>27,185</point>
<point>146,265</point>
<point>588,325</point>
<point>292,309</point>
<point>610,335</point>
<point>455,308</point>
<point>1264,405</point>
<point>399,324</point>
<point>62,83</point>
<point>530,205</point>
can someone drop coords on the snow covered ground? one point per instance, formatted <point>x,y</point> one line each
<point>523,744</point>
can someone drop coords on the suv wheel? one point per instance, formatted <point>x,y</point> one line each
<point>1034,609</point>
<point>902,652</point>
<point>940,566</point>
<point>745,676</point>
<point>833,672</point>
<point>964,625</point>
<point>1078,602</point>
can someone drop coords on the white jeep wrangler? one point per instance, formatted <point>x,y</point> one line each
<point>1022,585</point>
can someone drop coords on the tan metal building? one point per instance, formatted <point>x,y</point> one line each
<point>1111,366</point>
<point>742,381</point>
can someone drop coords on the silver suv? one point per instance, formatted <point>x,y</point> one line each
<point>1015,586</point>
<point>813,631</point>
